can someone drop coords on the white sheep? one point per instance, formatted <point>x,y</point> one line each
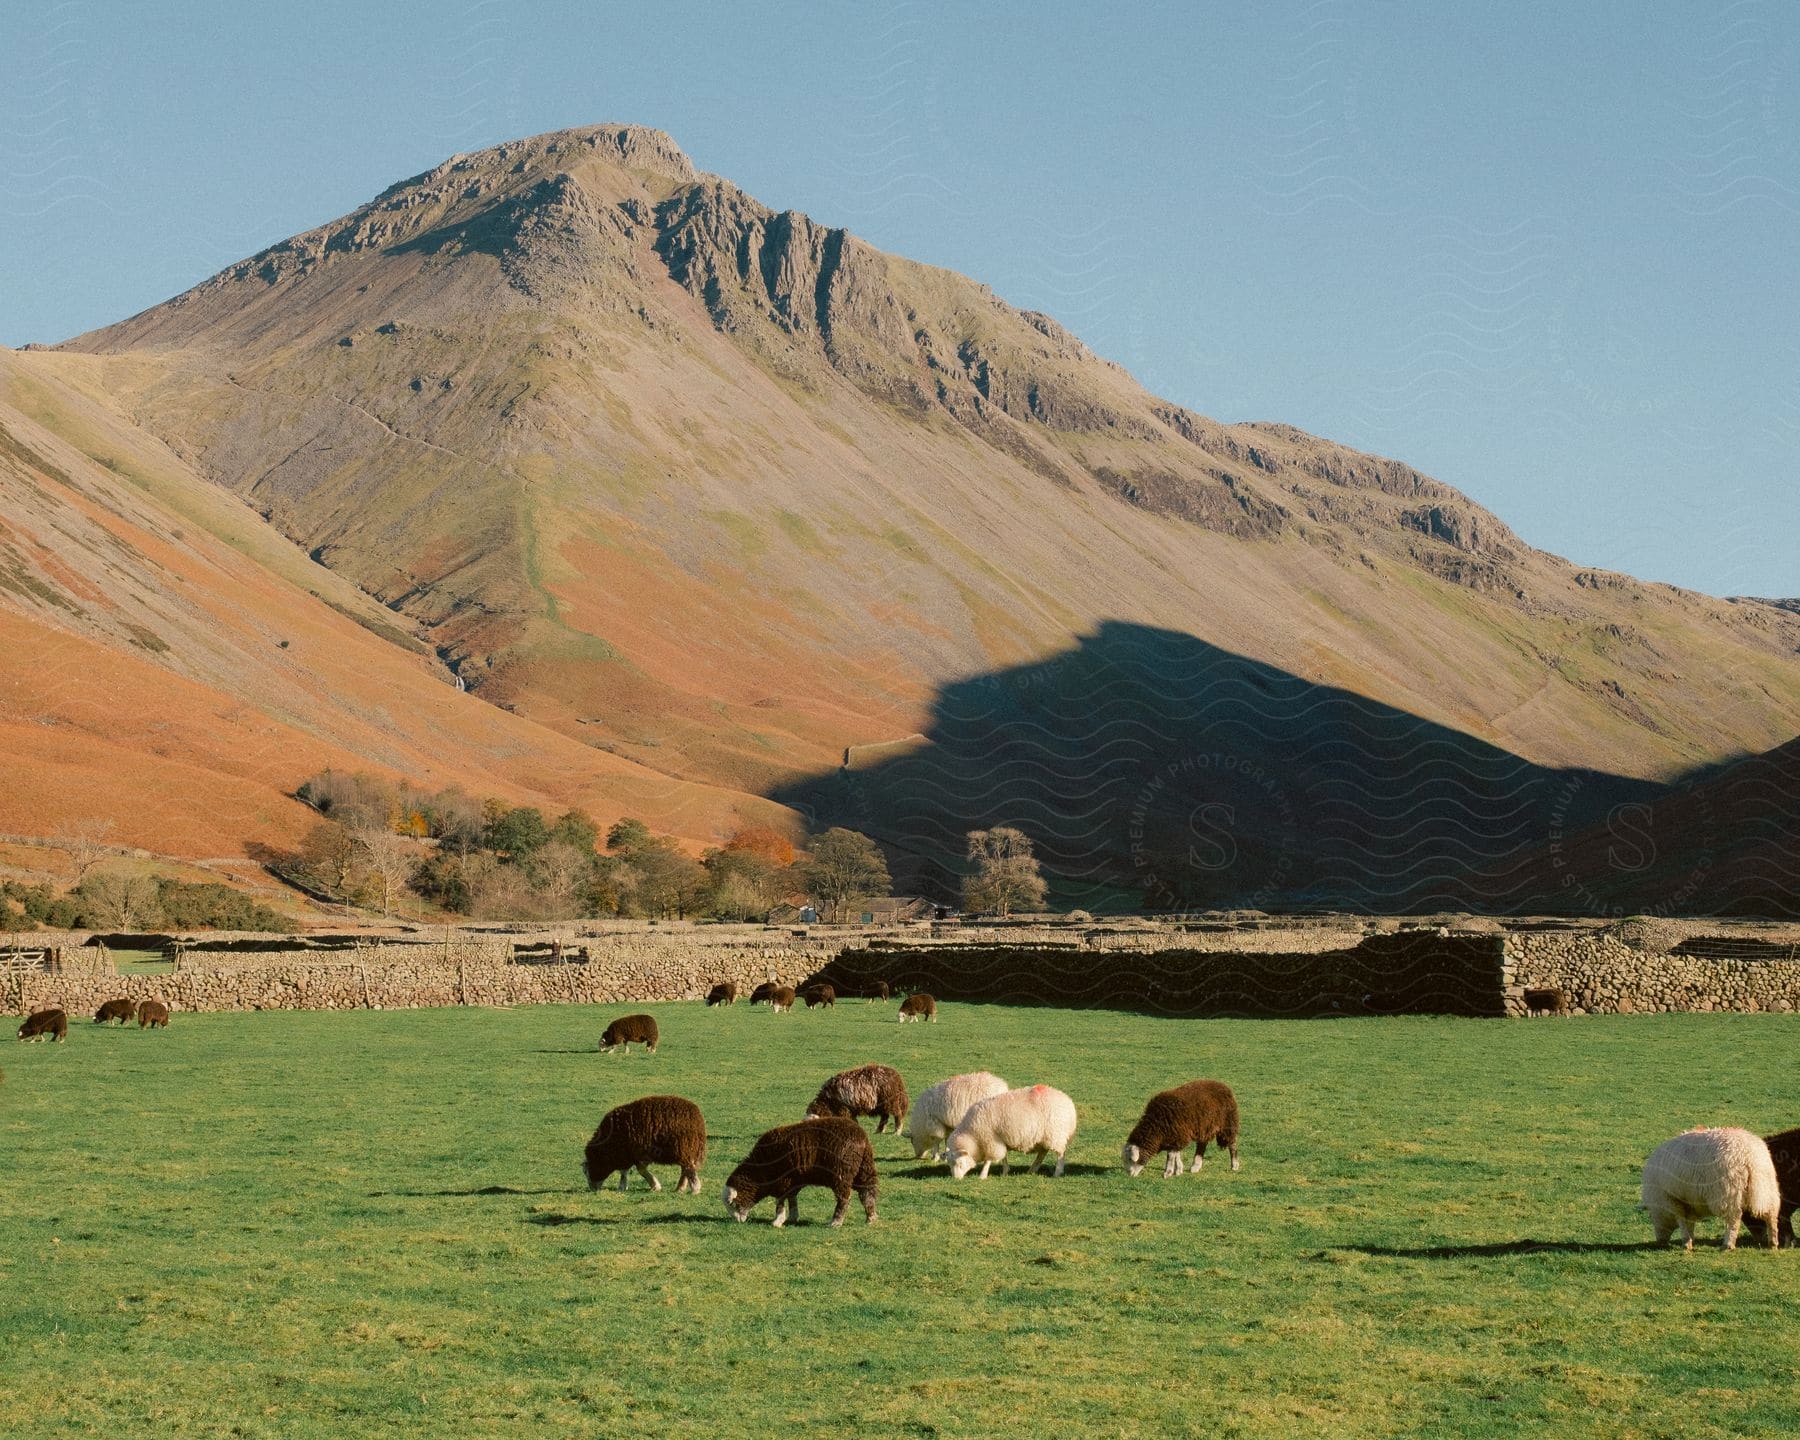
<point>1725,1172</point>
<point>1041,1120</point>
<point>941,1108</point>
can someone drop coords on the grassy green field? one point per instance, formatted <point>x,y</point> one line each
<point>301,1224</point>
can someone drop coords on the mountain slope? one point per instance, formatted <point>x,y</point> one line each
<point>733,495</point>
<point>173,664</point>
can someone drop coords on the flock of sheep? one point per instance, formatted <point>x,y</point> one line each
<point>978,1119</point>
<point>53,1024</point>
<point>967,1120</point>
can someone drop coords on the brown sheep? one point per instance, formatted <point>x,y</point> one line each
<point>918,1007</point>
<point>762,992</point>
<point>874,1090</point>
<point>627,1028</point>
<point>1196,1113</point>
<point>820,995</point>
<point>52,1022</point>
<point>1546,1002</point>
<point>879,990</point>
<point>781,998</point>
<point>724,993</point>
<point>834,1153</point>
<point>124,1011</point>
<point>153,1013</point>
<point>1784,1150</point>
<point>657,1130</point>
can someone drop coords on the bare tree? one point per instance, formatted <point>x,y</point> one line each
<point>120,899</point>
<point>85,842</point>
<point>1006,874</point>
<point>564,875</point>
<point>388,860</point>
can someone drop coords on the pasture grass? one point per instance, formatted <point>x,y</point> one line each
<point>325,1224</point>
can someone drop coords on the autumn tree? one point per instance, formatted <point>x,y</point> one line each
<point>120,900</point>
<point>845,867</point>
<point>1006,876</point>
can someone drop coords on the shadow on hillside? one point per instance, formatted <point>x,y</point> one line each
<point>554,1218</point>
<point>1502,1248</point>
<point>1149,762</point>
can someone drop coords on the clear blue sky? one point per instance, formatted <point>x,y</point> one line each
<point>1547,252</point>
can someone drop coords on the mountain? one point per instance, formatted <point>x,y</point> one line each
<point>730,503</point>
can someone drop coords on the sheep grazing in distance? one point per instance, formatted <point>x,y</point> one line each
<point>833,1153</point>
<point>820,995</point>
<point>940,1110</point>
<point>874,1090</point>
<point>1784,1151</point>
<point>657,1130</point>
<point>1725,1172</point>
<point>628,1028</point>
<point>40,1023</point>
<point>918,1007</point>
<point>1199,1113</point>
<point>781,998</point>
<point>123,1011</point>
<point>153,1014</point>
<point>1041,1120</point>
<point>879,990</point>
<point>762,992</point>
<point>1546,1002</point>
<point>724,993</point>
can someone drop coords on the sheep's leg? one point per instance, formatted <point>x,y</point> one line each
<point>1059,1165</point>
<point>1199,1157</point>
<point>1234,1158</point>
<point>781,1213</point>
<point>655,1184</point>
<point>624,1175</point>
<point>1733,1223</point>
<point>690,1181</point>
<point>1664,1223</point>
<point>1687,1231</point>
<point>1171,1164</point>
<point>984,1168</point>
<point>1773,1221</point>
<point>843,1207</point>
<point>868,1203</point>
<point>1037,1159</point>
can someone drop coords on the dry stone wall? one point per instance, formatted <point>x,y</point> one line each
<point>1601,975</point>
<point>411,976</point>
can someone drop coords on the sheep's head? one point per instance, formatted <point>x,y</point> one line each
<point>822,1109</point>
<point>1134,1159</point>
<point>962,1157</point>
<point>740,1198</point>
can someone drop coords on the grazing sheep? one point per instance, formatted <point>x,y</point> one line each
<point>38,1024</point>
<point>834,1153</point>
<point>940,1110</point>
<point>1041,1120</point>
<point>1724,1172</point>
<point>874,1090</point>
<point>781,998</point>
<point>124,1011</point>
<point>918,1007</point>
<point>762,992</point>
<point>1198,1113</point>
<point>1784,1151</point>
<point>820,995</point>
<point>657,1130</point>
<point>153,1014</point>
<point>1546,1002</point>
<point>627,1028</point>
<point>724,993</point>
<point>879,990</point>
